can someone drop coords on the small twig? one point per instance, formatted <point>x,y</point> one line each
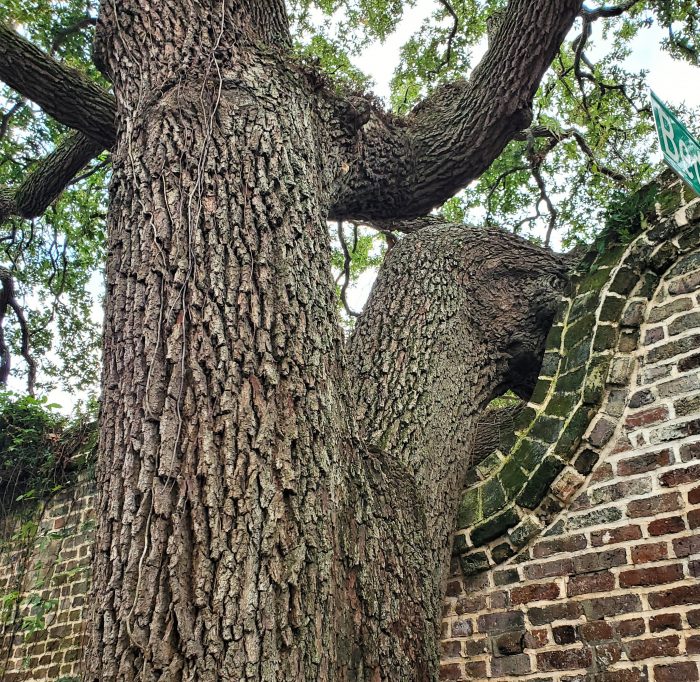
<point>63,34</point>
<point>448,52</point>
<point>346,271</point>
<point>8,299</point>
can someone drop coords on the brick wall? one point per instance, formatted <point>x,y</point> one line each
<point>578,549</point>
<point>45,563</point>
<point>586,569</point>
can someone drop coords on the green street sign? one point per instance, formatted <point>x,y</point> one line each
<point>681,150</point>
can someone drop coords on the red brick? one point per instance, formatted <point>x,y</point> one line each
<point>687,594</point>
<point>598,561</point>
<point>687,672</point>
<point>658,575</point>
<point>537,638</point>
<point>683,547</point>
<point>564,634</point>
<point>614,535</point>
<point>643,463</point>
<point>653,415</point>
<point>475,670</point>
<point>694,518</point>
<point>692,644</point>
<point>531,593</point>
<point>608,653</point>
<point>676,477</point>
<point>549,569</point>
<point>604,607</point>
<point>569,543</point>
<point>665,621</point>
<point>510,665</point>
<point>644,554</point>
<point>631,628</point>
<point>566,659</point>
<point>651,506</point>
<point>563,611</point>
<point>640,649</point>
<point>694,496</point>
<point>673,524</point>
<point>590,583</point>
<point>452,671</point>
<point>595,631</point>
<point>451,648</point>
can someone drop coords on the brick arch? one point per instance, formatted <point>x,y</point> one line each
<point>583,570</point>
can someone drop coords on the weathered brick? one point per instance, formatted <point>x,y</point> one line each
<point>653,415</point>
<point>675,672</point>
<point>656,575</point>
<point>650,506</point>
<point>501,622</point>
<point>462,628</point>
<point>451,671</point>
<point>690,451</point>
<point>475,670</point>
<point>648,552</point>
<point>596,631</point>
<point>683,547</point>
<point>643,463</point>
<point>663,312</point>
<point>692,645</point>
<point>665,621</point>
<point>548,614</point>
<point>564,634</point>
<point>567,543</point>
<point>673,524</point>
<point>631,628</point>
<point>604,607</point>
<point>655,647</point>
<point>614,535</point>
<point>510,643</point>
<point>451,648</point>
<point>590,583</point>
<point>532,593</point>
<point>548,569</point>
<point>566,659</point>
<point>510,665</point>
<point>598,561</point>
<point>686,594</point>
<point>595,518</point>
<point>677,477</point>
<point>620,490</point>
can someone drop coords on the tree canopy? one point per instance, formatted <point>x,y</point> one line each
<point>589,140</point>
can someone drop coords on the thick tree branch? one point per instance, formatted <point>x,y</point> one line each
<point>408,166</point>
<point>60,91</point>
<point>46,182</point>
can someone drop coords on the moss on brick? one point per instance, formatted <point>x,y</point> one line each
<point>571,381</point>
<point>550,364</point>
<point>540,391</point>
<point>539,482</point>
<point>611,309</point>
<point>546,429</point>
<point>624,281</point>
<point>560,404</point>
<point>512,477</point>
<point>470,508</point>
<point>528,453</point>
<point>594,386</point>
<point>594,281</point>
<point>490,464</point>
<point>578,331</point>
<point>493,497</point>
<point>605,338</point>
<point>574,431</point>
<point>494,527</point>
<point>473,563</point>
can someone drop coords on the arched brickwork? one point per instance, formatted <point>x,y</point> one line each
<point>574,560</point>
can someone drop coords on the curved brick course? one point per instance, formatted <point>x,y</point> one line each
<point>588,570</point>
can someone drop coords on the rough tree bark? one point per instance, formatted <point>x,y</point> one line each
<point>272,506</point>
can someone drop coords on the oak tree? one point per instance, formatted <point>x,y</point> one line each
<point>276,503</point>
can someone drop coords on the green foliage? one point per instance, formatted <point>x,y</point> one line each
<point>625,213</point>
<point>38,449</point>
<point>57,259</point>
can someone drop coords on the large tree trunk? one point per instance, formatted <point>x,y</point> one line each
<point>250,527</point>
<point>244,531</point>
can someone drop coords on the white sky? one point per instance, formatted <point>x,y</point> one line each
<point>675,82</point>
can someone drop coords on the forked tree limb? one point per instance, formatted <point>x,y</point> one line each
<point>408,166</point>
<point>49,178</point>
<point>62,92</point>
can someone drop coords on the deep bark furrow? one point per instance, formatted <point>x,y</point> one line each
<point>60,91</point>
